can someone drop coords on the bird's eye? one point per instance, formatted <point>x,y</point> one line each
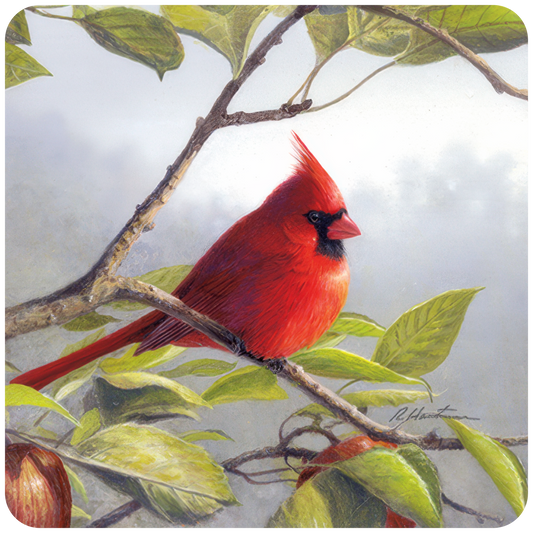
<point>313,217</point>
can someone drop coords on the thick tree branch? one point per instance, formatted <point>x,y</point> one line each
<point>88,292</point>
<point>498,83</point>
<point>134,290</point>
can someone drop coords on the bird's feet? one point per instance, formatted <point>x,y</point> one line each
<point>276,365</point>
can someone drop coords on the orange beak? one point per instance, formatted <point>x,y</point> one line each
<point>343,228</point>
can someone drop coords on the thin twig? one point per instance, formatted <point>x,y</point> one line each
<point>467,510</point>
<point>348,93</point>
<point>117,515</point>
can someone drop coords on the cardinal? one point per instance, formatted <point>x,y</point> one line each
<point>277,278</point>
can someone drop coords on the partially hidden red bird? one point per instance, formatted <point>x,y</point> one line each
<point>277,278</point>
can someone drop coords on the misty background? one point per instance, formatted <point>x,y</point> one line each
<point>432,164</point>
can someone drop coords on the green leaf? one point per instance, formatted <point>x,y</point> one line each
<point>315,411</point>
<point>46,433</point>
<point>89,322</point>
<point>383,397</point>
<point>385,36</point>
<point>89,424</point>
<point>358,325</point>
<point>330,500</point>
<point>81,9</point>
<point>137,35</point>
<point>18,32</point>
<point>206,434</point>
<point>248,383</point>
<point>86,341</point>
<point>70,383</point>
<point>21,67</point>
<point>403,478</point>
<point>130,362</point>
<point>77,512</point>
<point>10,367</point>
<point>76,483</point>
<point>171,477</point>
<point>330,339</point>
<point>421,339</point>
<point>166,279</point>
<point>500,463</point>
<point>307,508</point>
<point>327,33</point>
<point>481,28</point>
<point>371,398</point>
<point>335,363</point>
<point>228,30</point>
<point>200,367</point>
<point>118,405</point>
<point>139,380</point>
<point>16,395</point>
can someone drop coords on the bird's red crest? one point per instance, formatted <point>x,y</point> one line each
<point>309,167</point>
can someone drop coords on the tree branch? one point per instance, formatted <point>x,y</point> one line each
<point>285,111</point>
<point>90,291</point>
<point>497,82</point>
<point>134,290</point>
<point>117,515</point>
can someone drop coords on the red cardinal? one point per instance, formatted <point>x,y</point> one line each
<point>277,278</point>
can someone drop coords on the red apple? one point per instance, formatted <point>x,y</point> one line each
<point>37,487</point>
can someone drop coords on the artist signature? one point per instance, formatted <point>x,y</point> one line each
<point>417,413</point>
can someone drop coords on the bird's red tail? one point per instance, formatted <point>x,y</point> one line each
<point>134,332</point>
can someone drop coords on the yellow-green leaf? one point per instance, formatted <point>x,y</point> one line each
<point>200,367</point>
<point>327,32</point>
<point>384,397</point>
<point>79,513</point>
<point>482,28</point>
<point>228,29</point>
<point>70,383</point>
<point>206,434</point>
<point>377,35</point>
<point>173,478</point>
<point>89,322</point>
<point>403,478</point>
<point>122,405</point>
<point>248,383</point>
<point>137,35</point>
<point>335,363</point>
<point>10,367</point>
<point>421,339</point>
<point>358,325</point>
<point>139,380</point>
<point>17,395</point>
<point>130,362</point>
<point>307,508</point>
<point>21,67</point>
<point>76,483</point>
<point>79,12</point>
<point>89,425</point>
<point>18,32</point>
<point>500,463</point>
<point>330,499</point>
